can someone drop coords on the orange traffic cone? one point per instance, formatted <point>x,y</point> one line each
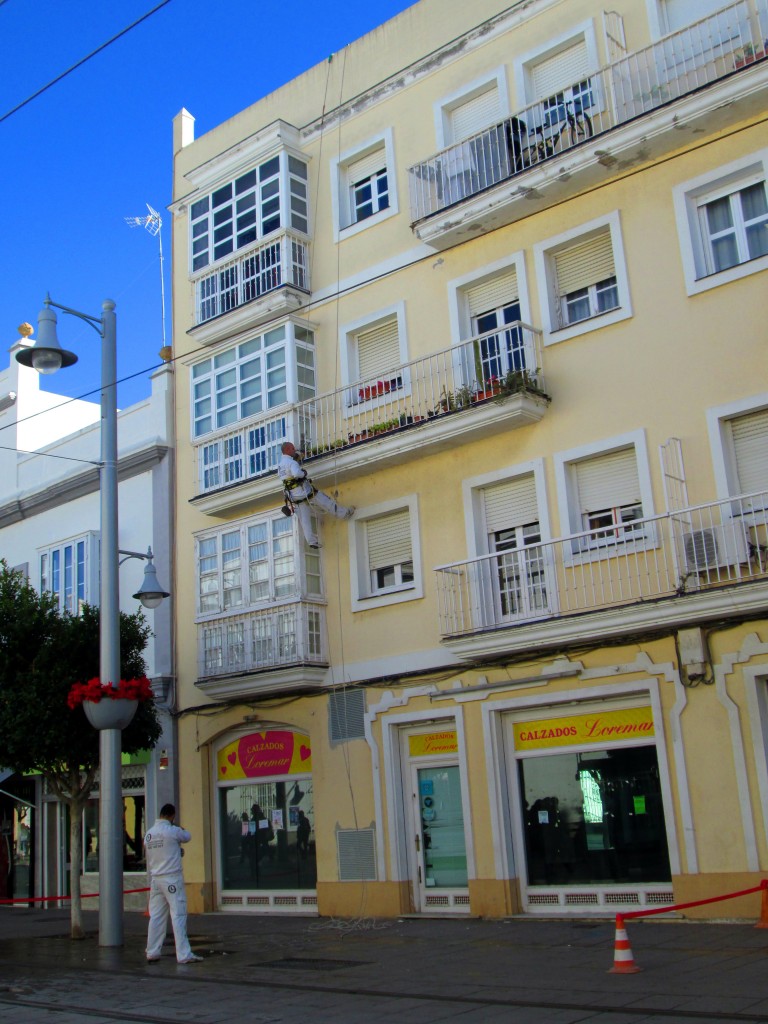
<point>763,922</point>
<point>623,961</point>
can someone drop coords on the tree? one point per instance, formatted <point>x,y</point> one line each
<point>42,653</point>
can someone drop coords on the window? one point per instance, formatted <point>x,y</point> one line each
<point>385,554</point>
<point>363,186</point>
<point>510,510</point>
<point>254,376</point>
<point>69,571</point>
<point>244,211</point>
<point>582,279</point>
<point>739,439</point>
<point>722,223</point>
<point>251,565</point>
<point>605,490</point>
<point>493,303</point>
<point>558,75</point>
<point>373,350</point>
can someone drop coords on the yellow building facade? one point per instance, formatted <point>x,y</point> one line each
<point>499,272</point>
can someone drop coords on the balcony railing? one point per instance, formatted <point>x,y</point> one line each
<point>493,366</point>
<point>663,556</point>
<point>271,638</point>
<point>271,265</point>
<point>639,82</point>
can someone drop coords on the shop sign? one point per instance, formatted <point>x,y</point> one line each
<point>260,754</point>
<point>598,727</point>
<point>430,743</point>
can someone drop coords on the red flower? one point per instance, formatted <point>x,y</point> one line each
<point>94,690</point>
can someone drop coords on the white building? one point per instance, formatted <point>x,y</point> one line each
<point>49,528</point>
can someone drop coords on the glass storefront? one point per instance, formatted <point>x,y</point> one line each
<point>267,835</point>
<point>594,817</point>
<point>442,827</point>
<point>266,812</point>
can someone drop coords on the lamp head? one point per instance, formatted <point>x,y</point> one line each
<point>46,355</point>
<point>150,593</point>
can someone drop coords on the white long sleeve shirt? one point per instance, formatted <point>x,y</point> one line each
<point>289,469</point>
<point>163,846</point>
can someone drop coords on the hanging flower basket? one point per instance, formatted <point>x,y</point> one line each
<point>107,706</point>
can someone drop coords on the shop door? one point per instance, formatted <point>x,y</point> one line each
<point>441,853</point>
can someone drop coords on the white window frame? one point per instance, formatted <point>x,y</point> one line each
<point>525,63</point>
<point>444,107</point>
<point>301,558</point>
<point>45,558</point>
<point>348,335</point>
<point>341,207</point>
<point>363,598</point>
<point>721,443</point>
<point>567,497</point>
<point>543,255</point>
<point>289,344</point>
<point>690,196</point>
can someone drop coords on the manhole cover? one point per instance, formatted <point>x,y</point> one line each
<point>295,963</point>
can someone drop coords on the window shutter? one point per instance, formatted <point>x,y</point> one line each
<point>555,73</point>
<point>492,293</point>
<point>585,263</point>
<point>510,504</point>
<point>608,481</point>
<point>389,540</point>
<point>378,349</point>
<point>680,13</point>
<point>367,165</point>
<point>750,444</point>
<point>474,115</point>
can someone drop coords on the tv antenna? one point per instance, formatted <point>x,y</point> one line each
<point>153,222</point>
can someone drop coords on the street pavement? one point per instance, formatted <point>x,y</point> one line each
<point>301,970</point>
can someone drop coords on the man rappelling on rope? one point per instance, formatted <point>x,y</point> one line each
<point>302,498</point>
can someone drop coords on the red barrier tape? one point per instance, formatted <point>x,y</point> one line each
<point>695,903</point>
<point>83,896</point>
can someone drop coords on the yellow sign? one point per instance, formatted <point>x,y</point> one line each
<point>430,743</point>
<point>598,727</point>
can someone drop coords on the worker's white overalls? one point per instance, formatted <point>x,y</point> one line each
<point>306,499</point>
<point>166,894</point>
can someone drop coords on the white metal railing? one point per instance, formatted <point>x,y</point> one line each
<point>288,634</point>
<point>491,366</point>
<point>662,556</point>
<point>264,268</point>
<point>635,84</point>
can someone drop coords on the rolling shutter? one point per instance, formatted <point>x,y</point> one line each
<point>474,115</point>
<point>378,350</point>
<point>555,73</point>
<point>750,445</point>
<point>389,540</point>
<point>492,293</point>
<point>510,504</point>
<point>367,165</point>
<point>585,263</point>
<point>608,481</point>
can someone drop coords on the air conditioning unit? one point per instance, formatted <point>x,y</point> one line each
<point>715,547</point>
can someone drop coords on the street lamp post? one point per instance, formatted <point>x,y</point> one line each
<point>47,356</point>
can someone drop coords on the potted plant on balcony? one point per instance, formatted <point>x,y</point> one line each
<point>489,389</point>
<point>748,54</point>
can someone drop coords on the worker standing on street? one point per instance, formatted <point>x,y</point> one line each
<point>163,850</point>
<point>301,496</point>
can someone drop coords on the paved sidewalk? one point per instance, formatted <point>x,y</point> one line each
<point>295,970</point>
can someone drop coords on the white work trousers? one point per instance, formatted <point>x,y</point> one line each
<point>319,503</point>
<point>167,895</point>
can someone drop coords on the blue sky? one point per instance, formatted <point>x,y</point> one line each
<point>96,147</point>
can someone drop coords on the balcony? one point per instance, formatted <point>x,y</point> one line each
<point>266,280</point>
<point>661,572</point>
<point>618,117</point>
<point>278,649</point>
<point>490,382</point>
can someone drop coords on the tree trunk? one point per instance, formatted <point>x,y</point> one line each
<point>75,866</point>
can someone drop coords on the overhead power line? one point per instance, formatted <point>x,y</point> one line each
<point>74,67</point>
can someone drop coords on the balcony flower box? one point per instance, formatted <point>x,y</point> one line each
<point>748,55</point>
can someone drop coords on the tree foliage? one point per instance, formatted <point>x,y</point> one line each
<point>42,653</point>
